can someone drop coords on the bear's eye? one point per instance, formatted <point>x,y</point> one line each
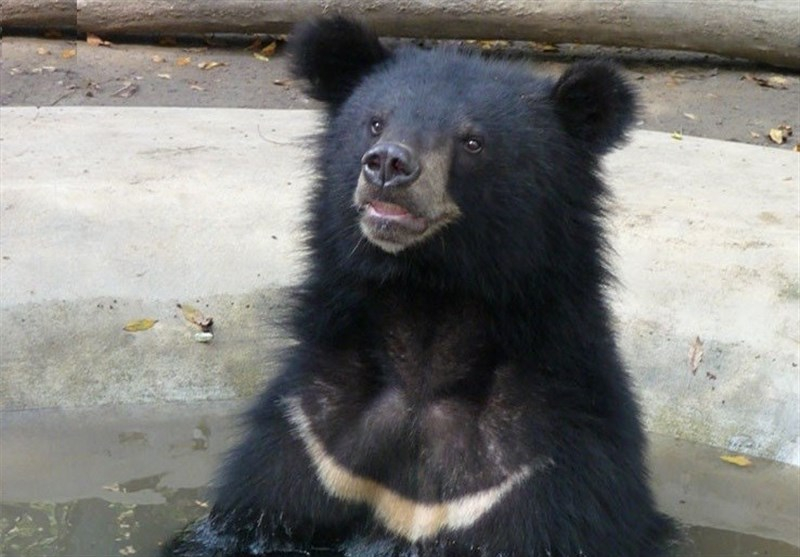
<point>376,126</point>
<point>473,145</point>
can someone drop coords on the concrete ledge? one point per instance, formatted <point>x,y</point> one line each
<point>110,215</point>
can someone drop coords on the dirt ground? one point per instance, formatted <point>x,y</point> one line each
<point>691,94</point>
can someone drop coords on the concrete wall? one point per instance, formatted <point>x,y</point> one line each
<point>111,215</point>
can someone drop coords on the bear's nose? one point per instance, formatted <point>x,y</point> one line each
<point>390,165</point>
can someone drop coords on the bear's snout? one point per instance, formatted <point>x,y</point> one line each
<point>390,165</point>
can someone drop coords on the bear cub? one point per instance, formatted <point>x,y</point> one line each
<point>455,389</point>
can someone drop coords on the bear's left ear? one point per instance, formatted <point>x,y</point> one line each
<point>596,104</point>
<point>333,54</point>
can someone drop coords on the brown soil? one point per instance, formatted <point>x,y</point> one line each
<point>690,94</point>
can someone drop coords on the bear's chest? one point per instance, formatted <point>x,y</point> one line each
<point>422,405</point>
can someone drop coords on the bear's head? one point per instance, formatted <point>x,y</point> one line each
<point>448,167</point>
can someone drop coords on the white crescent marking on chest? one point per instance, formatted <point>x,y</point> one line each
<point>413,520</point>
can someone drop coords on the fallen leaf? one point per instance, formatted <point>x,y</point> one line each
<point>695,354</point>
<point>738,460</point>
<point>796,148</point>
<point>544,47</point>
<point>197,88</point>
<point>158,59</point>
<point>780,134</point>
<point>690,116</point>
<point>210,65</point>
<point>259,56</point>
<point>493,44</point>
<point>269,50</point>
<point>183,61</point>
<point>127,91</point>
<point>196,317</point>
<point>140,325</point>
<point>94,40</point>
<point>777,136</point>
<point>164,75</point>
<point>677,135</point>
<point>771,82</point>
<point>42,51</point>
<point>255,45</point>
<point>68,53</point>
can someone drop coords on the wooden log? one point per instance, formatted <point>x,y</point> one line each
<point>38,14</point>
<point>759,30</point>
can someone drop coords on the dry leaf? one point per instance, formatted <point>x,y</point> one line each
<point>255,45</point>
<point>158,59</point>
<point>128,90</point>
<point>183,61</point>
<point>772,82</point>
<point>796,148</point>
<point>259,56</point>
<point>491,45</point>
<point>677,135</point>
<point>94,40</point>
<point>197,88</point>
<point>695,354</point>
<point>777,136</point>
<point>690,116</point>
<point>738,460</point>
<point>164,75</point>
<point>544,47</point>
<point>269,50</point>
<point>68,53</point>
<point>780,134</point>
<point>210,65</point>
<point>140,325</point>
<point>196,317</point>
<point>42,51</point>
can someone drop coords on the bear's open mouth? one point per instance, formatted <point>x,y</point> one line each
<point>391,226</point>
<point>381,214</point>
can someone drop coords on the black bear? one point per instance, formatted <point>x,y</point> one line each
<point>455,389</point>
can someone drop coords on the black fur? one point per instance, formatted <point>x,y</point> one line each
<point>333,55</point>
<point>438,370</point>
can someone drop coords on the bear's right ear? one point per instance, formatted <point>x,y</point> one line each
<point>333,54</point>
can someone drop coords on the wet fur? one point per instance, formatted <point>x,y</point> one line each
<point>444,369</point>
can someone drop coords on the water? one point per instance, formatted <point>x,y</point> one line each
<point>120,481</point>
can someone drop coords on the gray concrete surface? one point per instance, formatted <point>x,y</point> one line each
<point>110,215</point>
